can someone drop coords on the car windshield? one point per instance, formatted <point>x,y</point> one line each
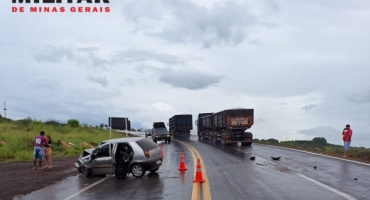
<point>160,131</point>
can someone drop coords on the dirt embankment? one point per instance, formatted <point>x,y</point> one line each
<point>20,179</point>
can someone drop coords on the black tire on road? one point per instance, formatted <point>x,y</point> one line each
<point>169,141</point>
<point>246,143</point>
<point>137,170</point>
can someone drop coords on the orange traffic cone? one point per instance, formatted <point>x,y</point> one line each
<point>162,154</point>
<point>182,166</point>
<point>198,175</point>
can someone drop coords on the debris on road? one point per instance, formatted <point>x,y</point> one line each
<point>64,144</point>
<point>261,164</point>
<point>85,144</point>
<point>355,179</point>
<point>253,158</point>
<point>315,167</point>
<point>72,144</point>
<point>276,158</point>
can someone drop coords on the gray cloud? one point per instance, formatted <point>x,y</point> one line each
<point>54,54</point>
<point>225,23</point>
<point>127,82</point>
<point>363,98</point>
<point>132,56</point>
<point>308,107</point>
<point>43,83</point>
<point>331,134</point>
<point>195,81</point>
<point>86,56</point>
<point>321,131</point>
<point>102,80</point>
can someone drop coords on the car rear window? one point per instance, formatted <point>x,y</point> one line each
<point>147,144</point>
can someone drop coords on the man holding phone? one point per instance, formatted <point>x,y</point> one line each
<point>347,135</point>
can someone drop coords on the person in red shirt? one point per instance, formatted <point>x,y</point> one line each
<point>347,135</point>
<point>38,151</point>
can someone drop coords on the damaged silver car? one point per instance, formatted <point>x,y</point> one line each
<point>145,156</point>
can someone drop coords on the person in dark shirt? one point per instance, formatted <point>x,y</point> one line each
<point>38,151</point>
<point>47,151</point>
<point>123,157</point>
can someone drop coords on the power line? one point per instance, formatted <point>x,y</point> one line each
<point>176,71</point>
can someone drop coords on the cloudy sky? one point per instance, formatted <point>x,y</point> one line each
<point>302,65</point>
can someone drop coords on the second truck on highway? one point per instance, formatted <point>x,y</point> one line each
<point>227,126</point>
<point>180,126</point>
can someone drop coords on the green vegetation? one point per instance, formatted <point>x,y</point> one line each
<point>74,123</point>
<point>320,145</point>
<point>16,138</point>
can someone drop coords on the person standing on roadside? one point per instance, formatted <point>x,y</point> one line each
<point>47,151</point>
<point>347,135</point>
<point>38,151</point>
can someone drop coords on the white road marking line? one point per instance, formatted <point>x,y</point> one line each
<point>316,154</point>
<point>86,188</point>
<point>240,150</point>
<point>347,196</point>
<point>272,163</point>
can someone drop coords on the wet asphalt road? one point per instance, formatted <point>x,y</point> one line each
<point>231,174</point>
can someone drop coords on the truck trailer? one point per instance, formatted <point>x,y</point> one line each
<point>227,126</point>
<point>199,123</point>
<point>180,126</point>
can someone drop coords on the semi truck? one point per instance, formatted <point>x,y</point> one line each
<point>227,126</point>
<point>199,123</point>
<point>180,126</point>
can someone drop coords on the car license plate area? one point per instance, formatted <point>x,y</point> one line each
<point>158,162</point>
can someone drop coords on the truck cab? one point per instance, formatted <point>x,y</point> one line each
<point>160,132</point>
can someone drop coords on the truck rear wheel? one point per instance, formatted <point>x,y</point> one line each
<point>246,143</point>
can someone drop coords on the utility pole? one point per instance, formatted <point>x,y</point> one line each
<point>110,133</point>
<point>126,126</point>
<point>4,109</point>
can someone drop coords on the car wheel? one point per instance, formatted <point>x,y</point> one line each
<point>137,170</point>
<point>154,170</point>
<point>169,141</point>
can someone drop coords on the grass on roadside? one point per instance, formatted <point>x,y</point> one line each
<point>356,153</point>
<point>16,139</point>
